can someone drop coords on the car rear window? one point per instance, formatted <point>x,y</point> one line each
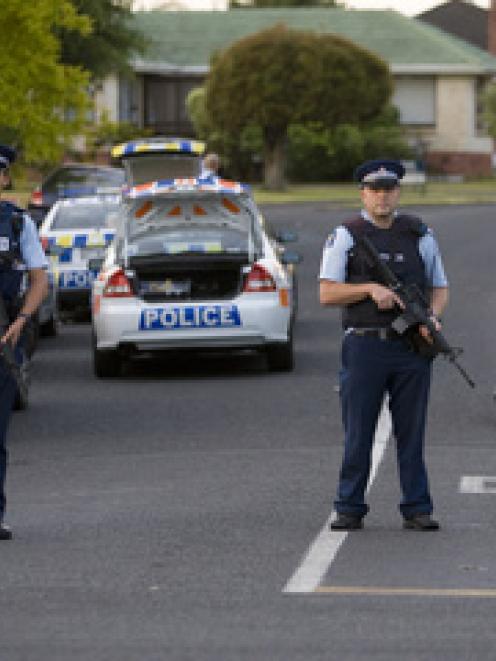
<point>75,177</point>
<point>83,216</point>
<point>190,241</point>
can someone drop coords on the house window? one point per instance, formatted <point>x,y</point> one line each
<point>415,99</point>
<point>480,123</point>
<point>165,104</point>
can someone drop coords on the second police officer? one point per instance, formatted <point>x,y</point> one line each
<point>20,249</point>
<point>375,361</point>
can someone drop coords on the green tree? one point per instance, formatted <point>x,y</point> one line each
<point>109,45</point>
<point>280,77</point>
<point>43,102</point>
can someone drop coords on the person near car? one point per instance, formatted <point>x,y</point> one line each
<point>210,165</point>
<point>377,363</point>
<point>20,249</point>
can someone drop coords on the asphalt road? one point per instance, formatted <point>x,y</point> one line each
<point>161,515</point>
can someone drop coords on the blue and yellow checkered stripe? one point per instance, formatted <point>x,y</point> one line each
<point>70,241</point>
<point>173,146</point>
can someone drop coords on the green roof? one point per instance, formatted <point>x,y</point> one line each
<point>187,39</point>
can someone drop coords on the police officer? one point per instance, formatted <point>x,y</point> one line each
<point>20,249</point>
<point>375,360</point>
<point>210,165</point>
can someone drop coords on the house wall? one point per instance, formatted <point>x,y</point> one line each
<point>450,142</point>
<point>107,98</point>
<point>456,146</point>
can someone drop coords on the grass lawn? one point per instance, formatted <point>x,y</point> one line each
<point>435,192</point>
<point>469,192</point>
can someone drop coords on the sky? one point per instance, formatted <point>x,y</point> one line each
<point>408,7</point>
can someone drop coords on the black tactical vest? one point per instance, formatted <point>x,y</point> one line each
<point>398,247</point>
<point>11,225</point>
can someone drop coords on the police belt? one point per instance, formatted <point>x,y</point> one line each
<point>380,333</point>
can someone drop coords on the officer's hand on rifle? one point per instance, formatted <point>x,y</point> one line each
<point>383,297</point>
<point>424,331</point>
<point>14,331</point>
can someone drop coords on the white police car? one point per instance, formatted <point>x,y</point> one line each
<point>191,267</point>
<point>75,231</point>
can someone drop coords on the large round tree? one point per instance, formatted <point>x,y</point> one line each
<point>280,76</point>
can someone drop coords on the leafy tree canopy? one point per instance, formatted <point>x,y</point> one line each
<point>110,43</point>
<point>43,102</point>
<point>280,77</point>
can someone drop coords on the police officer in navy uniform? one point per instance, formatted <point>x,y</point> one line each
<point>375,360</point>
<point>20,249</point>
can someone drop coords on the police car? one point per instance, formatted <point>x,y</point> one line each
<point>74,232</point>
<point>191,268</point>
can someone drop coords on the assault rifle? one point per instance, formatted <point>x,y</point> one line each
<point>414,314</point>
<point>8,356</point>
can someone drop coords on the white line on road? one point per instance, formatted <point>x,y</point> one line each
<point>324,548</point>
<point>477,484</point>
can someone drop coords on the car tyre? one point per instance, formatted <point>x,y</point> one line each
<point>21,400</point>
<point>280,357</point>
<point>31,335</point>
<point>49,328</point>
<point>106,363</point>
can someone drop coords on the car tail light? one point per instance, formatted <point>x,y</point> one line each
<point>37,197</point>
<point>259,279</point>
<point>44,242</point>
<point>118,286</point>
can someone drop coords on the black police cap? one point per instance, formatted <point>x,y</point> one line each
<point>379,170</point>
<point>7,156</point>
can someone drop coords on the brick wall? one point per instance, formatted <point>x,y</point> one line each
<point>465,163</point>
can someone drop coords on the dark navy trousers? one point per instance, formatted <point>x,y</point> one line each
<point>7,396</point>
<point>372,368</point>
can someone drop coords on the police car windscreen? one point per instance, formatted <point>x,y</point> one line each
<point>146,168</point>
<point>84,216</point>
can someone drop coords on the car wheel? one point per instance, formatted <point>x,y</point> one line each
<point>106,364</point>
<point>49,328</point>
<point>280,357</point>
<point>22,397</point>
<point>30,336</point>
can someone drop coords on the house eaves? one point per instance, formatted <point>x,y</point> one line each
<point>151,67</point>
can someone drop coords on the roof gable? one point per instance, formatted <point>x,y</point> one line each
<point>461,19</point>
<point>188,39</point>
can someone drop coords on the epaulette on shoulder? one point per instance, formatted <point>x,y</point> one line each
<point>355,225</point>
<point>412,224</point>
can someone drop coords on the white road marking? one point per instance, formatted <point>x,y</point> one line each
<point>477,484</point>
<point>324,548</point>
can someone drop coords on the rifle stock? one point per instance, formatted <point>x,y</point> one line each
<point>414,314</point>
<point>8,356</point>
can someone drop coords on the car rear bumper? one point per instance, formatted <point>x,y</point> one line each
<point>262,321</point>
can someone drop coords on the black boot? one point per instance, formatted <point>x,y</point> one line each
<point>347,522</point>
<point>420,522</point>
<point>5,533</point>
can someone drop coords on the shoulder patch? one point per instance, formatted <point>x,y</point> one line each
<point>330,239</point>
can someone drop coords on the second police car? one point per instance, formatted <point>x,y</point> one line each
<point>74,232</point>
<point>191,267</point>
